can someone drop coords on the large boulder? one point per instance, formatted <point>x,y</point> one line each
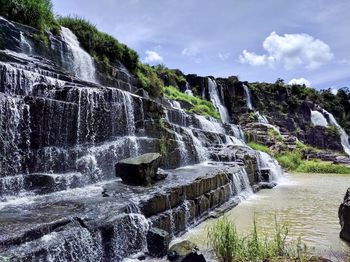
<point>158,242</point>
<point>141,170</point>
<point>185,251</point>
<point>344,217</point>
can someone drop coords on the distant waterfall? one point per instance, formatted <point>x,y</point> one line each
<point>343,136</point>
<point>318,119</point>
<point>261,118</point>
<point>25,45</point>
<point>83,65</point>
<point>215,99</point>
<point>248,97</point>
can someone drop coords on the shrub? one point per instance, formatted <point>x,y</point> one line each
<point>275,134</point>
<point>34,13</point>
<point>229,245</point>
<point>148,79</point>
<point>290,160</point>
<point>99,44</point>
<point>259,147</point>
<point>322,167</point>
<point>199,105</point>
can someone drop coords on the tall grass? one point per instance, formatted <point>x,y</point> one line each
<point>290,160</point>
<point>230,246</point>
<point>259,147</point>
<point>322,167</point>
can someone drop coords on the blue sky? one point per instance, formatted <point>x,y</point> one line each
<point>257,40</point>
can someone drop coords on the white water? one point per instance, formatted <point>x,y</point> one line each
<point>248,97</point>
<point>268,162</point>
<point>343,136</point>
<point>84,67</point>
<point>237,131</point>
<point>210,124</point>
<point>25,44</point>
<point>318,119</point>
<point>215,99</point>
<point>188,91</point>
<point>261,118</point>
<point>200,149</point>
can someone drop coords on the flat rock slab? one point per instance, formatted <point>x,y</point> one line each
<point>139,170</point>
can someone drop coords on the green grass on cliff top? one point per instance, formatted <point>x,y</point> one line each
<point>199,105</point>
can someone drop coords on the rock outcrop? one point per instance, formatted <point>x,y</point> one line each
<point>140,170</point>
<point>344,217</point>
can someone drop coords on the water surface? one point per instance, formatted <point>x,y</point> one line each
<point>307,202</point>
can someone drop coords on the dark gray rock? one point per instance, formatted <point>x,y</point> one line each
<point>185,251</point>
<point>139,170</point>
<point>158,241</point>
<point>344,217</point>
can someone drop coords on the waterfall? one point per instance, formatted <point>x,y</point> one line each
<point>240,186</point>
<point>237,132</point>
<point>210,124</point>
<point>261,118</point>
<point>201,151</point>
<point>343,136</point>
<point>25,45</point>
<point>83,65</point>
<point>215,99</point>
<point>248,97</point>
<point>188,91</point>
<point>265,161</point>
<point>318,119</point>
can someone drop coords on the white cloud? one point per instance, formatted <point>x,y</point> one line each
<point>224,56</point>
<point>152,57</point>
<point>290,50</point>
<point>299,81</point>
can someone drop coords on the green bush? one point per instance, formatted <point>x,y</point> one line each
<point>230,246</point>
<point>148,79</point>
<point>34,13</point>
<point>199,105</point>
<point>99,44</point>
<point>259,147</point>
<point>290,160</point>
<point>275,134</point>
<point>322,167</point>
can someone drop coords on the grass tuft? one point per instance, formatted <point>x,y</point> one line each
<point>259,147</point>
<point>229,245</point>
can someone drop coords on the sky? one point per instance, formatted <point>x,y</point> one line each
<point>300,41</point>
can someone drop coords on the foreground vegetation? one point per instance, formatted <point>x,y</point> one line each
<point>229,245</point>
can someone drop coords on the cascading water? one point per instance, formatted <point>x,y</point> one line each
<point>215,99</point>
<point>343,135</point>
<point>318,119</point>
<point>265,161</point>
<point>261,118</point>
<point>248,97</point>
<point>210,124</point>
<point>25,45</point>
<point>83,65</point>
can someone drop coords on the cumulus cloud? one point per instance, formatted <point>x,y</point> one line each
<point>290,51</point>
<point>299,81</point>
<point>152,57</point>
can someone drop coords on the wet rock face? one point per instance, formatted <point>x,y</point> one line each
<point>141,170</point>
<point>319,137</point>
<point>344,217</point>
<point>158,242</point>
